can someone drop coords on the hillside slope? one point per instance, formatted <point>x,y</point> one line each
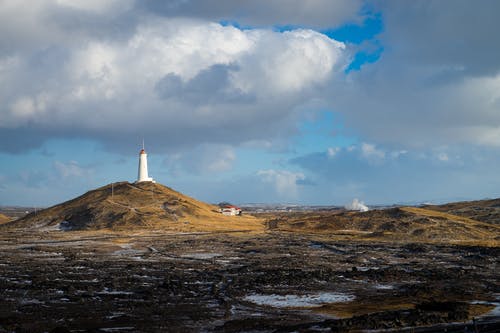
<point>480,210</point>
<point>4,219</point>
<point>395,224</point>
<point>125,206</point>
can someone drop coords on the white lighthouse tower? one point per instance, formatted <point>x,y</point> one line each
<point>142,175</point>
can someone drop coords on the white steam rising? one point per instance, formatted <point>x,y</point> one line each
<point>357,205</point>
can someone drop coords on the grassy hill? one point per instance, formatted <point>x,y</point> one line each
<point>4,219</point>
<point>480,210</point>
<point>406,224</point>
<point>126,206</point>
<point>147,206</point>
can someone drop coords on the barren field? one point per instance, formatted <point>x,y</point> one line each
<point>274,281</point>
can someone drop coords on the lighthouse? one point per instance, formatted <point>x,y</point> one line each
<point>142,174</point>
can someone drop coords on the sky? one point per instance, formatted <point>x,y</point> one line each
<point>285,101</point>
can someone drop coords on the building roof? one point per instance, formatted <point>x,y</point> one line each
<point>231,206</point>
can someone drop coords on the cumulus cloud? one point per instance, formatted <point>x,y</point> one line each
<point>371,152</point>
<point>436,81</point>
<point>332,151</point>
<point>312,13</point>
<point>204,159</point>
<point>285,182</point>
<point>422,114</point>
<point>71,169</point>
<point>114,70</point>
<point>441,173</point>
<point>181,81</point>
<point>99,6</point>
<point>424,32</point>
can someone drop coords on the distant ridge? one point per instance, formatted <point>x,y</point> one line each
<point>407,224</point>
<point>126,206</point>
<point>481,210</point>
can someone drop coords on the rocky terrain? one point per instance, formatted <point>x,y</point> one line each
<point>145,258</point>
<point>239,282</point>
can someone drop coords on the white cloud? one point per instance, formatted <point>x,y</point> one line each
<point>399,153</point>
<point>182,81</point>
<point>423,113</point>
<point>71,169</point>
<point>183,47</point>
<point>106,74</point>
<point>311,13</point>
<point>487,135</point>
<point>443,157</point>
<point>222,160</point>
<point>371,152</point>
<point>428,89</point>
<point>332,151</point>
<point>24,107</point>
<point>288,62</point>
<point>204,159</point>
<point>285,182</point>
<point>98,6</point>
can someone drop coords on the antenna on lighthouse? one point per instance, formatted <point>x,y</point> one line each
<point>143,143</point>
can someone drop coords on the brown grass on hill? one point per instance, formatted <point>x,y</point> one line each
<point>4,219</point>
<point>125,206</point>
<point>481,210</point>
<point>122,207</point>
<point>406,224</point>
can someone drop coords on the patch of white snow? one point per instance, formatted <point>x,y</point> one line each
<point>310,300</point>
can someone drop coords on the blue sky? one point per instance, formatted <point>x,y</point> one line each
<point>285,101</point>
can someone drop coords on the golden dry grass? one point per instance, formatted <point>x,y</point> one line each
<point>4,219</point>
<point>400,225</point>
<point>347,310</point>
<point>434,213</point>
<point>144,206</point>
<point>148,207</point>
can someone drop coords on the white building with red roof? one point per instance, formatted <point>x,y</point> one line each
<point>230,210</point>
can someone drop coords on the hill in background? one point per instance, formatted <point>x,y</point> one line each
<point>125,206</point>
<point>150,206</point>
<point>480,210</point>
<point>405,224</point>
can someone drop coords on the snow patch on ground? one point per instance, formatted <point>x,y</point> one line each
<point>384,286</point>
<point>63,226</point>
<point>30,301</point>
<point>107,291</point>
<point>117,329</point>
<point>203,255</point>
<point>127,250</point>
<point>291,301</point>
